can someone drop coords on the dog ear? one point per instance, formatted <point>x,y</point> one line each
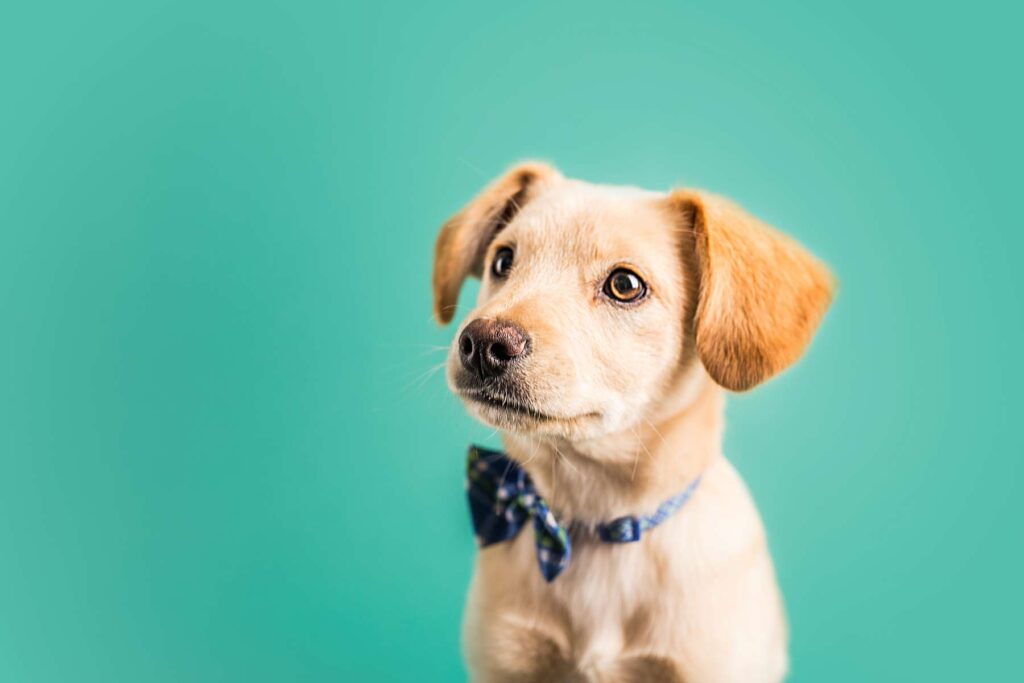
<point>465,237</point>
<point>761,295</point>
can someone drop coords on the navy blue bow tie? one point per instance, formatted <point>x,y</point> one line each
<point>502,497</point>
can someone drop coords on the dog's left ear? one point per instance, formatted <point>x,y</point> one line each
<point>761,295</point>
<point>465,237</point>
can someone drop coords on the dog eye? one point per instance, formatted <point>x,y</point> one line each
<point>502,263</point>
<point>624,285</point>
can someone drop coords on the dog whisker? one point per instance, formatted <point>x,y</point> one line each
<point>420,380</point>
<point>565,460</point>
<point>653,427</point>
<point>535,448</point>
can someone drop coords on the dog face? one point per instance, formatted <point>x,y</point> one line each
<point>597,303</point>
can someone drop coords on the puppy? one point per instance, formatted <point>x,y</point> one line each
<point>619,543</point>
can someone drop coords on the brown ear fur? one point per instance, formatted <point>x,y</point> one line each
<point>761,294</point>
<point>464,238</point>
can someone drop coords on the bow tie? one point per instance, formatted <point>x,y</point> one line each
<point>502,498</point>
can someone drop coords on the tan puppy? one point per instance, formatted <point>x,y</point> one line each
<point>608,321</point>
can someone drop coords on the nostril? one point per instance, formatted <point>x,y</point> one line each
<point>466,346</point>
<point>499,352</point>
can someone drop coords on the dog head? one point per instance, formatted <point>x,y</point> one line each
<point>596,303</point>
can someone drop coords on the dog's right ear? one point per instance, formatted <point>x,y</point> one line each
<point>464,238</point>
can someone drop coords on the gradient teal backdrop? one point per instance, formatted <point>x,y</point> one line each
<point>223,455</point>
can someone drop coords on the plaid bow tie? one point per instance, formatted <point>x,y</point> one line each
<point>502,497</point>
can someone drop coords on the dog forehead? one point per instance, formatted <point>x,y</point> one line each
<point>601,221</point>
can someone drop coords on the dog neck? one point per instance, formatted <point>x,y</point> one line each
<point>633,471</point>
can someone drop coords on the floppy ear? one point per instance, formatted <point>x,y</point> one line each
<point>464,238</point>
<point>761,295</point>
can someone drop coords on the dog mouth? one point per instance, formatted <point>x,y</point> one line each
<point>512,412</point>
<point>505,405</point>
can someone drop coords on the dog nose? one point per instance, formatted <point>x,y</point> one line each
<point>488,347</point>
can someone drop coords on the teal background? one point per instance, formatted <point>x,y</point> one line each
<point>223,454</point>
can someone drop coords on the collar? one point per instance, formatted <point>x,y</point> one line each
<point>502,497</point>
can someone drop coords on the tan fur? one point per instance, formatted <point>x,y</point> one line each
<point>633,404</point>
